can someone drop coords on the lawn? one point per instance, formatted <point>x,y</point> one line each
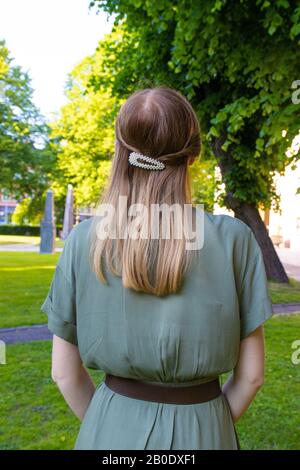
<point>17,239</point>
<point>285,293</point>
<point>25,278</point>
<point>27,240</point>
<point>33,414</point>
<point>273,421</point>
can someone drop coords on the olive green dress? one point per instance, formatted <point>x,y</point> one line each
<point>184,338</point>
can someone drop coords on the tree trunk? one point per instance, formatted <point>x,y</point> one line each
<point>250,215</point>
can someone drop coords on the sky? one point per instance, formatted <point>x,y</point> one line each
<point>47,38</point>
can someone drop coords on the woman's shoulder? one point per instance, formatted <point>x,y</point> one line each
<point>77,239</point>
<point>231,234</point>
<point>80,230</point>
<point>227,224</point>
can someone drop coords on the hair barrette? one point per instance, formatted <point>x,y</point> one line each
<point>137,159</point>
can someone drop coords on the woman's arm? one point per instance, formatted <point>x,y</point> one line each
<point>248,375</point>
<point>71,377</point>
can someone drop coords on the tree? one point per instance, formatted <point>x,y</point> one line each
<point>26,213</point>
<point>25,154</point>
<point>236,61</point>
<point>204,183</point>
<point>84,137</point>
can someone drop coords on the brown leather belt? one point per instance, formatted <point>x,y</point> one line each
<point>184,395</point>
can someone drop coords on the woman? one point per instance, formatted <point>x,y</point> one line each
<point>162,321</point>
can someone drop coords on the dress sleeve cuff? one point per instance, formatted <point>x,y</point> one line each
<point>253,319</point>
<point>57,326</point>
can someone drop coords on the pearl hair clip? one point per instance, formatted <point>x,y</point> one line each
<point>151,163</point>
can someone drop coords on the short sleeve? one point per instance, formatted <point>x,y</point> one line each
<point>60,302</point>
<point>254,303</point>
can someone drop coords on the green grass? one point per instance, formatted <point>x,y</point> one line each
<point>33,414</point>
<point>25,279</point>
<point>27,240</point>
<point>17,239</point>
<point>273,420</point>
<point>24,282</point>
<point>285,293</point>
<point>59,243</point>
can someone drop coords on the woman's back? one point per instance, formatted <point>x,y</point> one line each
<point>151,309</point>
<point>190,336</point>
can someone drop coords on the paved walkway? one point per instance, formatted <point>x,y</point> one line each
<point>292,271</point>
<point>26,334</point>
<point>286,309</point>
<point>291,261</point>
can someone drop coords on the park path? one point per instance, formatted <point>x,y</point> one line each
<point>26,334</point>
<point>291,261</point>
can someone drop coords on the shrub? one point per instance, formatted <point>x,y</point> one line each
<point>29,230</point>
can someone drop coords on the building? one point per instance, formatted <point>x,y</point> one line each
<point>284,227</point>
<point>7,207</point>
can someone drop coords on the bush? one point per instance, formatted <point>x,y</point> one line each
<point>30,230</point>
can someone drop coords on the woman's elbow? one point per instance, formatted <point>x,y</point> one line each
<point>66,374</point>
<point>58,375</point>
<point>255,381</point>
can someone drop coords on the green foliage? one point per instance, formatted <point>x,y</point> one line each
<point>25,155</point>
<point>235,60</point>
<point>84,136</point>
<point>28,212</point>
<point>19,229</point>
<point>203,183</point>
<point>85,132</point>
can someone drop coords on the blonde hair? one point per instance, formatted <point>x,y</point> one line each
<point>160,123</point>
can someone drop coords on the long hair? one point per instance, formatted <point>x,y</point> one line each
<point>160,123</point>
